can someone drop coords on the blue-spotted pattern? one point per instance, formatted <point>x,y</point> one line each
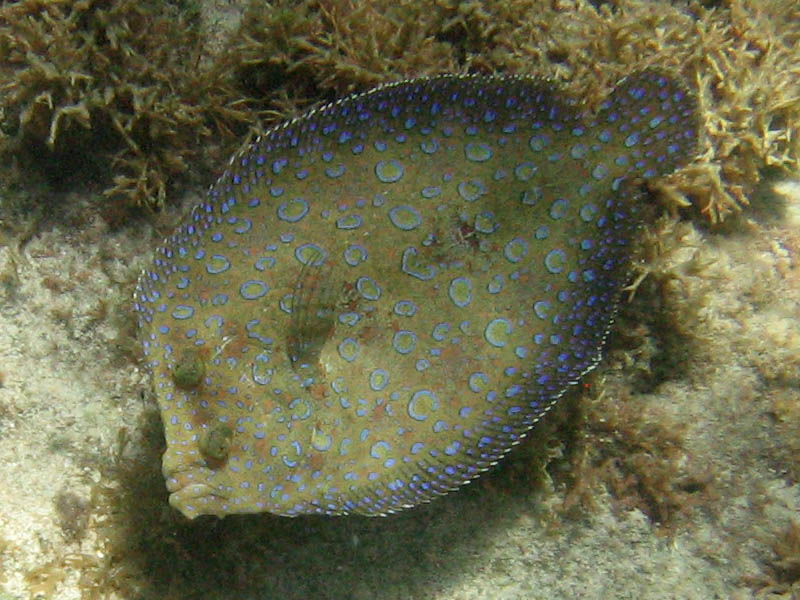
<point>378,299</point>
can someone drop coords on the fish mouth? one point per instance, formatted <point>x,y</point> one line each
<point>191,489</point>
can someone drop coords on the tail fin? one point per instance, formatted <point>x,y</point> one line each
<point>653,120</point>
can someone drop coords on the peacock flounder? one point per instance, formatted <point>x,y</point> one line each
<point>380,298</point>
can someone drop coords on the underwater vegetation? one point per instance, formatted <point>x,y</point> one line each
<point>115,91</point>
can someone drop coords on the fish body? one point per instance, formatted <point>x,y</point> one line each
<point>377,300</point>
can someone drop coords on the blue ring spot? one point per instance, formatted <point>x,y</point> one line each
<point>349,318</point>
<point>306,405</point>
<point>405,308</point>
<point>349,222</point>
<point>182,311</point>
<point>578,151</point>
<point>243,226</point>
<point>217,264</point>
<point>460,291</point>
<point>525,171</point>
<point>293,210</point>
<point>515,250</point>
<point>477,382</point>
<point>555,261</point>
<point>310,254</point>
<point>264,262</point>
<point>389,171</point>
<point>421,404</point>
<point>335,172</point>
<point>497,332</point>
<point>405,217</point>
<point>599,171</point>
<point>404,341</point>
<point>429,146</point>
<point>367,287</point>
<point>378,380</point>
<point>485,222</point>
<point>379,450</point>
<point>538,142</point>
<point>470,191</point>
<point>253,289</point>
<point>355,255</point>
<point>440,331</point>
<point>477,152</point>
<point>558,208</point>
<point>348,349</point>
<point>541,308</point>
<point>587,212</point>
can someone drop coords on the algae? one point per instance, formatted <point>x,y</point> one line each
<point>109,90</point>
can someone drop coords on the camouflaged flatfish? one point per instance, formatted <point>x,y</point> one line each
<point>380,298</point>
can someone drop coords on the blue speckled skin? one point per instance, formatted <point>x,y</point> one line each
<point>380,298</point>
